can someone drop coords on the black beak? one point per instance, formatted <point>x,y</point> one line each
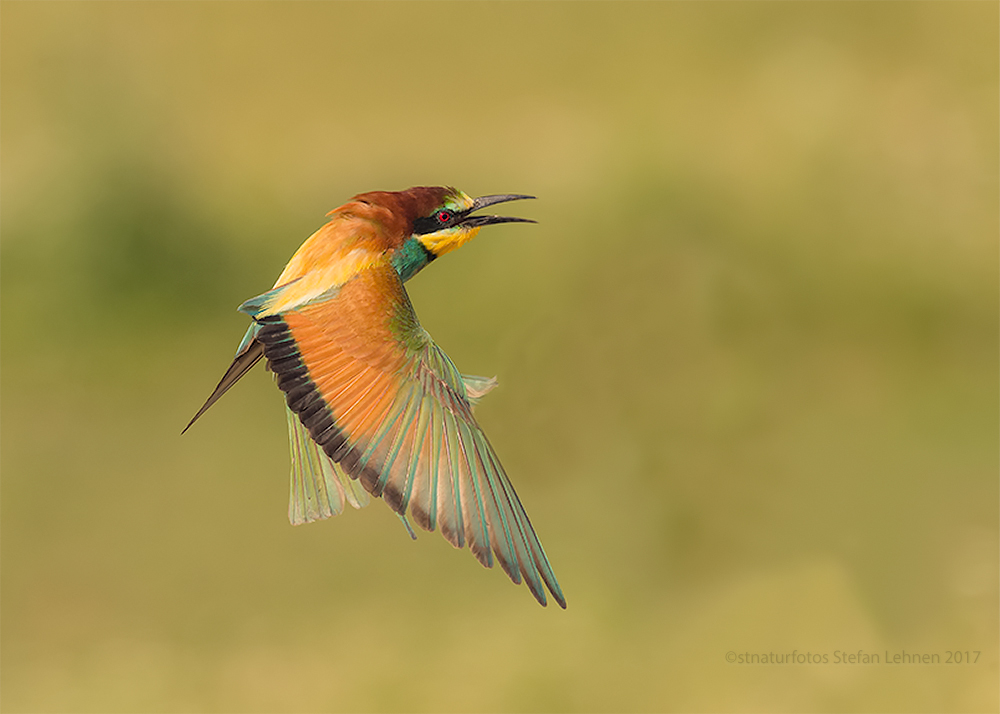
<point>484,201</point>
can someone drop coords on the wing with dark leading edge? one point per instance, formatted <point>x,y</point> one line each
<point>383,401</point>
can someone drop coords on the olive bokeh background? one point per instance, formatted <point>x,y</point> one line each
<point>748,359</point>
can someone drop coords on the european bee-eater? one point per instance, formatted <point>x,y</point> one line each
<point>371,400</point>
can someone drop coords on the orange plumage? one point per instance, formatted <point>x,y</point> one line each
<point>371,398</point>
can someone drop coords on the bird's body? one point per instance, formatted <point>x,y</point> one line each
<point>371,400</point>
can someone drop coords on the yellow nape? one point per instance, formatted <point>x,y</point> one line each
<point>447,240</point>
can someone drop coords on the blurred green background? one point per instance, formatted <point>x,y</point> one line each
<point>748,358</point>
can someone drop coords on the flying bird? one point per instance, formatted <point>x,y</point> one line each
<point>374,406</point>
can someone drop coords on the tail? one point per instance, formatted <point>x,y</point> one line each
<point>250,352</point>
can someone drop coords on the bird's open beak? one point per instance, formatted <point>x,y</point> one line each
<point>484,201</point>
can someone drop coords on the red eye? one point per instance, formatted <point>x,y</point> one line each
<point>443,216</point>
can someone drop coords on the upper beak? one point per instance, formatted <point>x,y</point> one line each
<point>484,201</point>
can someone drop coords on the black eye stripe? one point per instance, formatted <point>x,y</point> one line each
<point>441,218</point>
<point>425,225</point>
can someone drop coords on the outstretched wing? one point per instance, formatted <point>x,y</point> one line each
<point>385,403</point>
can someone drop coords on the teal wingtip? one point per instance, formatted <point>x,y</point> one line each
<point>407,526</point>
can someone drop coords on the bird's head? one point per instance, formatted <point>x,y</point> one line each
<point>450,223</point>
<point>434,220</point>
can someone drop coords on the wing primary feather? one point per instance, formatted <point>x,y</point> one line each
<point>407,526</point>
<point>521,538</point>
<point>471,498</point>
<point>454,482</point>
<point>419,434</point>
<point>448,516</point>
<point>501,516</point>
<point>542,560</point>
<point>423,505</point>
<point>406,458</point>
<point>538,563</point>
